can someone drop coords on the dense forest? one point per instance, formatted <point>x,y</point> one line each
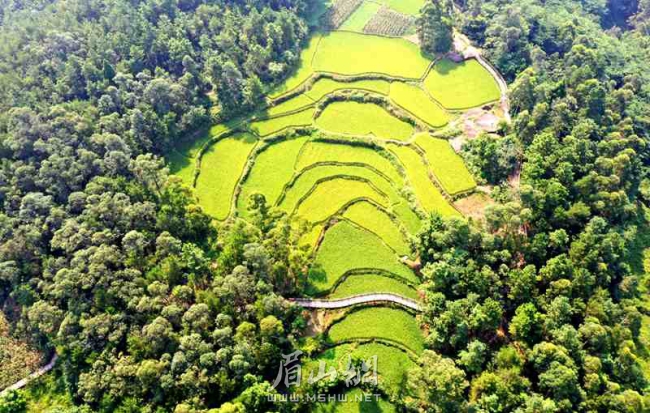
<point>108,261</point>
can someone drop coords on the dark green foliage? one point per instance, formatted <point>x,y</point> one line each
<point>434,27</point>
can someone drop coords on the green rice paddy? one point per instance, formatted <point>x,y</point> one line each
<point>346,248</point>
<point>416,101</point>
<point>378,222</point>
<point>367,283</point>
<point>270,126</point>
<point>350,53</point>
<point>221,167</point>
<point>363,119</point>
<point>446,165</point>
<point>411,7</point>
<point>390,324</point>
<point>326,86</point>
<point>461,85</point>
<point>329,196</point>
<point>427,193</point>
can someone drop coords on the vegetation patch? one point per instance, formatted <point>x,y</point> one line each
<point>416,101</point>
<point>411,7</point>
<point>461,85</point>
<point>270,126</point>
<point>318,152</point>
<point>367,283</point>
<point>446,165</point>
<point>308,178</point>
<point>357,20</point>
<point>17,358</point>
<point>330,195</point>
<point>340,12</point>
<point>298,102</point>
<point>377,221</point>
<point>347,247</point>
<point>392,363</point>
<point>363,119</point>
<point>221,167</point>
<point>391,324</point>
<point>349,53</point>
<point>272,167</point>
<point>326,86</point>
<point>428,195</point>
<point>388,22</point>
<point>302,72</point>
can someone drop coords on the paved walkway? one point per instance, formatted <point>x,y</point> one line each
<point>38,373</point>
<point>357,299</point>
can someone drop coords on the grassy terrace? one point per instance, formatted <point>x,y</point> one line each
<point>416,101</point>
<point>378,222</point>
<point>221,168</point>
<point>461,85</point>
<point>363,119</point>
<point>347,248</point>
<point>446,165</point>
<point>372,283</point>
<point>385,323</point>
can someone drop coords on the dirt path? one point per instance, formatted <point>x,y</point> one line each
<point>38,373</point>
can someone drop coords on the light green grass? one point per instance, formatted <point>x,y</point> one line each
<point>316,152</point>
<point>461,85</point>
<point>326,86</point>
<point>221,167</point>
<point>416,101</point>
<point>426,192</point>
<point>378,222</point>
<point>411,7</point>
<point>445,163</point>
<point>379,322</point>
<point>392,363</point>
<point>363,119</point>
<point>355,402</point>
<point>302,72</point>
<point>357,20</point>
<point>308,178</point>
<point>295,103</point>
<point>331,195</point>
<point>408,218</point>
<point>273,167</point>
<point>347,247</point>
<point>270,126</point>
<point>350,53</point>
<point>372,283</point>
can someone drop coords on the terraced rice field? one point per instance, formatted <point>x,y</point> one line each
<point>415,100</point>
<point>362,179</point>
<point>379,222</point>
<point>428,195</point>
<point>221,167</point>
<point>383,323</point>
<point>461,85</point>
<point>363,119</point>
<point>363,283</point>
<point>347,248</point>
<point>392,366</point>
<point>445,164</point>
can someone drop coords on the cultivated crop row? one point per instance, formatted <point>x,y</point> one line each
<point>388,22</point>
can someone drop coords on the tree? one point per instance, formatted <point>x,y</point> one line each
<point>438,385</point>
<point>434,27</point>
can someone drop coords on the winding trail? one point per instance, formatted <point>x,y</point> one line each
<point>38,373</point>
<point>357,299</point>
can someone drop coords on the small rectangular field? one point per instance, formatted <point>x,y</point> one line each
<point>341,11</point>
<point>388,22</point>
<point>221,167</point>
<point>270,126</point>
<point>461,85</point>
<point>411,7</point>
